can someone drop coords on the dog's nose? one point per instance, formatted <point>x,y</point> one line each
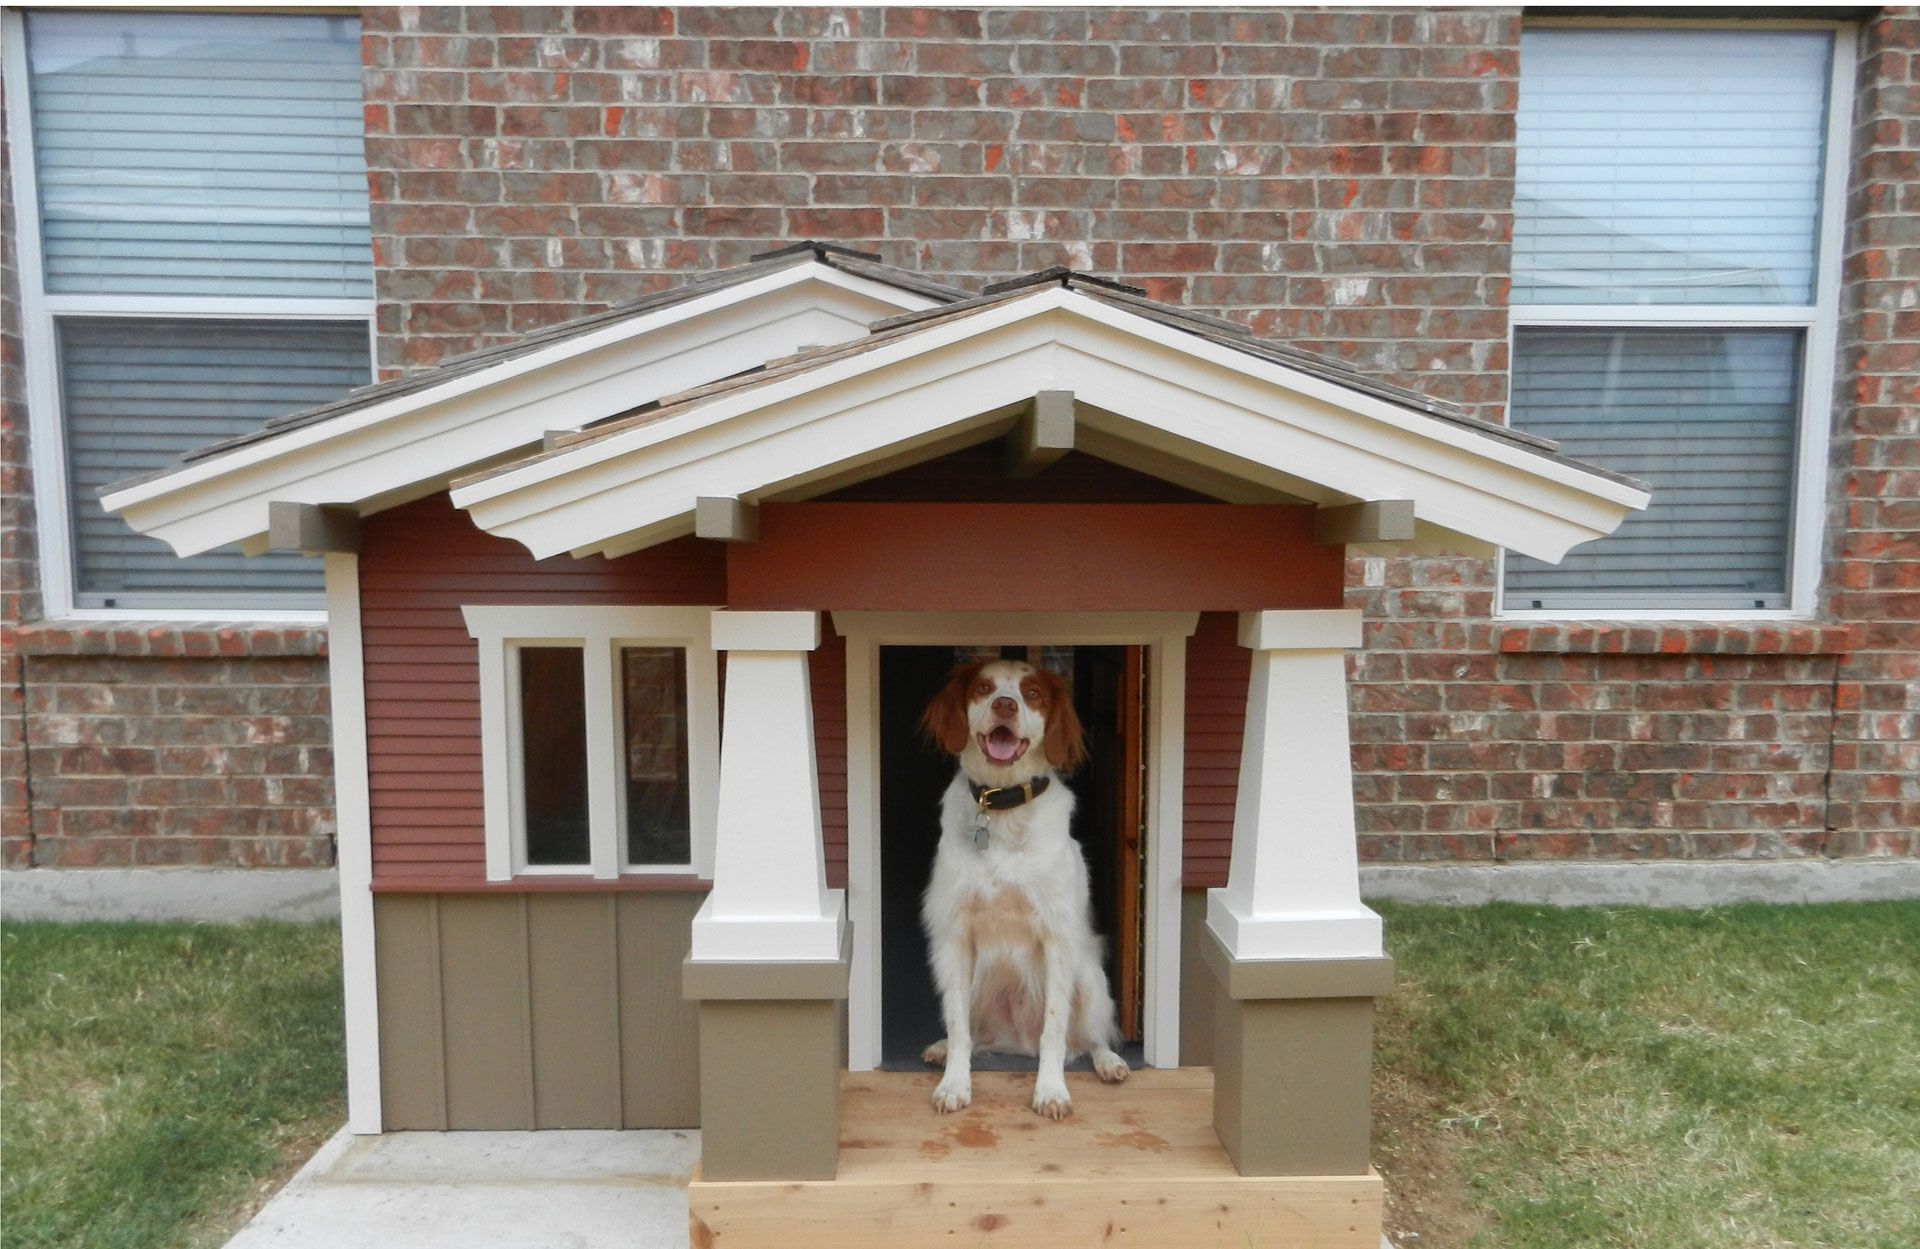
<point>1004,706</point>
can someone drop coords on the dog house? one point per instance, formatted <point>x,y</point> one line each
<point>627,622</point>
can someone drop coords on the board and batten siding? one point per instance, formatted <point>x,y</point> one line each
<point>515,1011</point>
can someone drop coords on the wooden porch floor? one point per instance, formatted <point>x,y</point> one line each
<point>1137,1163</point>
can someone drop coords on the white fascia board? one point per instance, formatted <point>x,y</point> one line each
<point>1239,424</point>
<point>1178,394</point>
<point>413,444</point>
<point>769,438</point>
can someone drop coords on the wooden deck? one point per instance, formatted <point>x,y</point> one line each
<point>1137,1163</point>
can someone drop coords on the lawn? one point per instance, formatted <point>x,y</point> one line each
<point>1740,1077</point>
<point>1547,1079</point>
<point>154,1078</point>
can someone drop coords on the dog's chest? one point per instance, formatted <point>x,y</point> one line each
<point>999,916</point>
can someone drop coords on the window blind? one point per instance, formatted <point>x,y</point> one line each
<point>138,392</point>
<point>200,154</point>
<point>1669,166</point>
<point>1708,416</point>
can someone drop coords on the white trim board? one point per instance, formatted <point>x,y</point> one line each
<point>1171,394</point>
<point>1164,635</point>
<point>411,445</point>
<point>599,632</point>
<point>353,841</point>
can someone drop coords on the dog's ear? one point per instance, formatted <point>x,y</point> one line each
<point>945,719</point>
<point>1066,742</point>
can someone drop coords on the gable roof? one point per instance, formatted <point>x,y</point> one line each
<point>1173,393</point>
<point>863,369</point>
<point>401,439</point>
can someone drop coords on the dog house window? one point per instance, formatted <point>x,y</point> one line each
<point>658,816</point>
<point>600,738</point>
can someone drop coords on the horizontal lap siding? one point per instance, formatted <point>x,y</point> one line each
<point>828,669</point>
<point>1217,671</point>
<point>419,564</point>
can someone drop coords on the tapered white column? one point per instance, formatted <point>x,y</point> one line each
<point>770,901</point>
<point>1293,890</point>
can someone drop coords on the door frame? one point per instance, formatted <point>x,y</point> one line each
<point>1164,636</point>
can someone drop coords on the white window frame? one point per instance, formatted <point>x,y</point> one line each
<point>1818,322</point>
<point>39,314</point>
<point>600,633</point>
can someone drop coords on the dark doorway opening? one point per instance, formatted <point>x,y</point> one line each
<point>1108,695</point>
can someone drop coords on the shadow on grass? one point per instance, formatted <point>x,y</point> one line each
<point>154,1076</point>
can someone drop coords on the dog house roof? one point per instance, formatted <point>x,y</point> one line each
<point>873,367</point>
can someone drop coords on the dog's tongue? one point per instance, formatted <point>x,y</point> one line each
<point>1002,745</point>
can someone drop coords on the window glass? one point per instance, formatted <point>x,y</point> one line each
<point>1669,166</point>
<point>139,391</point>
<point>553,755</point>
<point>1708,416</point>
<point>654,754</point>
<point>200,154</point>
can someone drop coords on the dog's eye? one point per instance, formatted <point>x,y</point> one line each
<point>1033,693</point>
<point>983,687</point>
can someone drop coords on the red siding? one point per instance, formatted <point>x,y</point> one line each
<point>419,564</point>
<point>1034,557</point>
<point>828,667</point>
<point>1217,671</point>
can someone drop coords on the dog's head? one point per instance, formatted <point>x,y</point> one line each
<point>1008,722</point>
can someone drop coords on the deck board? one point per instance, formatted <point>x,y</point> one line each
<point>1136,1163</point>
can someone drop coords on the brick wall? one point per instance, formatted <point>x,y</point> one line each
<point>1338,179</point>
<point>1342,180</point>
<point>19,599</point>
<point>1873,569</point>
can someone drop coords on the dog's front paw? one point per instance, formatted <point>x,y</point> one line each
<point>1110,1067</point>
<point>953,1095</point>
<point>1050,1100</point>
<point>935,1055</point>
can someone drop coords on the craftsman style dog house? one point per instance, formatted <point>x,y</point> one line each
<point>611,611</point>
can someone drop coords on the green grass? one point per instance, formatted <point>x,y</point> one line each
<point>153,1077</point>
<point>1727,1079</point>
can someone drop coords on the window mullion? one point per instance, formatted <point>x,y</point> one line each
<point>603,762</point>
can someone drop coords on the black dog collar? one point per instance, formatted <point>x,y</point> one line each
<point>1007,797</point>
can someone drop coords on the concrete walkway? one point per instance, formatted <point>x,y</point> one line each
<point>501,1190</point>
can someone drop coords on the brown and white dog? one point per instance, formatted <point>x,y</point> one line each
<point>1007,912</point>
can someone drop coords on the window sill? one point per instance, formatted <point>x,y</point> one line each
<point>1680,637</point>
<point>167,639</point>
<point>654,882</point>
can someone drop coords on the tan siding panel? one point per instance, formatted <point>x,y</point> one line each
<point>574,980</point>
<point>483,969</point>
<point>407,972</point>
<point>659,1029</point>
<point>1217,671</point>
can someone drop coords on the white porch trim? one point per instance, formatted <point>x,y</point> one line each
<point>1293,890</point>
<point>1164,634</point>
<point>1173,397</point>
<point>770,901</point>
<point>353,842</point>
<point>411,445</point>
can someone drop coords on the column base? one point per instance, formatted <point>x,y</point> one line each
<point>1293,1060</point>
<point>770,1060</point>
<point>1346,933</point>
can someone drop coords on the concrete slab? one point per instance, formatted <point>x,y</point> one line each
<point>504,1190</point>
<point>211,894</point>
<point>1685,884</point>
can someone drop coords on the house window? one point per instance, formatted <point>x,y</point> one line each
<point>1675,252</point>
<point>600,739</point>
<point>190,191</point>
